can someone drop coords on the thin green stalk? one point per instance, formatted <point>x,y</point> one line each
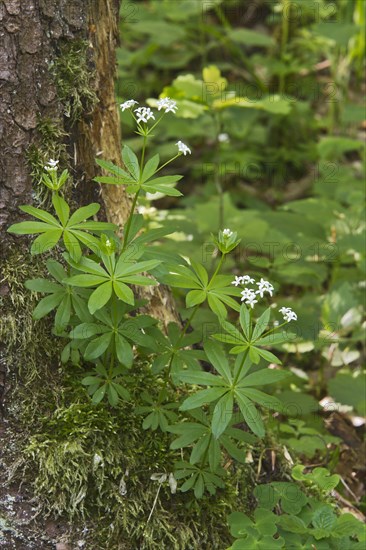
<point>219,265</point>
<point>245,355</point>
<point>129,221</point>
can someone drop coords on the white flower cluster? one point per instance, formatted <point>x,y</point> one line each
<point>169,105</point>
<point>128,104</point>
<point>227,232</point>
<point>288,314</point>
<point>249,295</point>
<point>182,148</point>
<point>144,114</point>
<point>51,165</point>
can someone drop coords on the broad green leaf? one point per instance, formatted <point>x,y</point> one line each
<point>261,324</point>
<point>46,241</point>
<point>200,272</point>
<point>124,351</point>
<point>123,292</point>
<point>85,280</point>
<point>150,168</point>
<point>100,296</point>
<point>268,401</point>
<point>97,346</point>
<point>61,207</point>
<point>28,228</point>
<point>263,377</point>
<point>251,414</point>
<point>201,398</point>
<point>245,321</point>
<point>110,167</point>
<point>131,162</point>
<point>86,330</point>
<point>124,268</point>
<point>47,304</point>
<point>216,305</point>
<point>56,269</point>
<point>63,312</point>
<point>195,297</point>
<point>199,449</point>
<point>81,214</point>
<point>42,285</point>
<point>200,378</point>
<point>72,245</point>
<point>99,394</point>
<point>222,414</point>
<point>40,214</point>
<point>218,359</point>
<point>268,356</point>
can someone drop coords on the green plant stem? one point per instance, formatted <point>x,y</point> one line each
<point>245,355</point>
<point>219,265</point>
<point>129,221</point>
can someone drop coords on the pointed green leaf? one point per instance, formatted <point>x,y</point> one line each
<point>131,162</point>
<point>263,377</point>
<point>218,359</point>
<point>123,292</point>
<point>195,297</point>
<point>261,324</point>
<point>85,280</point>
<point>201,398</point>
<point>100,296</point>
<point>97,346</point>
<point>150,168</point>
<point>124,351</point>
<point>63,313</point>
<point>268,356</point>
<point>72,245</point>
<point>99,394</point>
<point>83,213</point>
<point>245,321</point>
<point>61,207</point>
<point>222,414</point>
<point>46,241</point>
<point>251,414</point>
<point>47,304</point>
<point>200,378</point>
<point>268,401</point>
<point>29,228</point>
<point>42,285</point>
<point>56,269</point>
<point>216,305</point>
<point>40,214</point>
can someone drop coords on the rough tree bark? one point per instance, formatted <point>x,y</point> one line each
<point>32,36</point>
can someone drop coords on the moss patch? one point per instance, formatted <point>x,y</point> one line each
<point>74,74</point>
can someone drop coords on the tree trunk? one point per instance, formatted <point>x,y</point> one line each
<point>35,37</point>
<point>49,111</point>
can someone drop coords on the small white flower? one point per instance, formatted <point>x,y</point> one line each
<point>288,314</point>
<point>247,279</point>
<point>108,243</point>
<point>128,104</point>
<point>223,138</point>
<point>227,232</point>
<point>238,281</point>
<point>182,148</point>
<point>251,301</point>
<point>51,165</point>
<point>144,114</point>
<point>264,286</point>
<point>247,294</point>
<point>169,105</point>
